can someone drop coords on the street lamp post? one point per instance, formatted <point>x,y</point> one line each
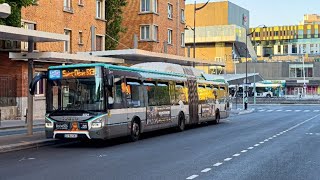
<point>254,30</point>
<point>194,26</point>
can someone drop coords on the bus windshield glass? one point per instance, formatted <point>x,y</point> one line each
<point>78,89</point>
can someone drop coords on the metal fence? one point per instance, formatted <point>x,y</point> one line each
<point>8,90</point>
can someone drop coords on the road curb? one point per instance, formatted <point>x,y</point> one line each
<point>29,145</point>
<point>17,127</point>
<point>246,112</point>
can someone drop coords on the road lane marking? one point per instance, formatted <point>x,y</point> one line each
<point>274,136</point>
<point>261,142</point>
<point>297,110</point>
<point>217,164</point>
<point>227,159</point>
<point>261,110</point>
<point>266,140</point>
<point>256,145</point>
<point>269,110</point>
<point>306,111</point>
<point>279,110</point>
<point>288,110</point>
<point>206,170</point>
<point>243,151</point>
<point>250,147</point>
<point>316,110</point>
<point>236,155</point>
<point>193,176</point>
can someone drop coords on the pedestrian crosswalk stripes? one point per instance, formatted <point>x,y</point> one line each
<point>289,110</point>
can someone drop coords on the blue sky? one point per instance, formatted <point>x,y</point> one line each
<point>275,12</point>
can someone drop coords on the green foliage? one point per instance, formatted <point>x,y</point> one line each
<point>15,18</point>
<point>114,19</point>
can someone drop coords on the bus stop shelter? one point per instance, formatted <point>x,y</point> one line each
<point>33,36</point>
<point>135,56</point>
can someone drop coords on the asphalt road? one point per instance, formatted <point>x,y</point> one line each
<point>274,142</point>
<point>19,131</point>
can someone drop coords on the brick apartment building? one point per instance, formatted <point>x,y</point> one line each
<point>157,24</point>
<point>71,17</point>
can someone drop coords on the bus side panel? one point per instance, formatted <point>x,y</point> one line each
<point>118,123</point>
<point>138,113</point>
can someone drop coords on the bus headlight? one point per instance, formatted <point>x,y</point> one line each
<point>97,123</point>
<point>48,124</point>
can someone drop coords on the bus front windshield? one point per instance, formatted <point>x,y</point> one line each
<point>76,94</point>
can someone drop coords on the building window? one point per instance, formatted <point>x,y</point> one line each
<point>67,5</point>
<point>99,43</point>
<point>31,26</point>
<point>80,38</point>
<point>40,88</point>
<point>170,11</point>
<point>99,9</point>
<point>182,16</point>
<point>80,2</point>
<point>309,33</point>
<point>155,32</point>
<point>169,36</point>
<point>67,47</point>
<point>300,34</point>
<point>276,33</point>
<point>155,6</point>
<point>145,32</point>
<point>182,40</point>
<point>296,70</point>
<point>145,6</point>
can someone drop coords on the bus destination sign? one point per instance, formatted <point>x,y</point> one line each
<point>78,73</point>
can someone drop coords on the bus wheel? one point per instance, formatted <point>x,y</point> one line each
<point>135,131</point>
<point>181,122</point>
<point>217,120</point>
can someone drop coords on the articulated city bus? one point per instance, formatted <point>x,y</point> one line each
<point>103,101</point>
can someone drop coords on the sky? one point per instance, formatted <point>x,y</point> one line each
<point>275,12</point>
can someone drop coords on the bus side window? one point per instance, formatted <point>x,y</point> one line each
<point>162,93</point>
<point>117,92</point>
<point>180,94</point>
<point>150,87</point>
<point>134,93</point>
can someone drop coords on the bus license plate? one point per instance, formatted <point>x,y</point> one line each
<point>70,135</point>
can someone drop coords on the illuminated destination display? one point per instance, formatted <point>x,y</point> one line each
<point>55,74</point>
<point>72,73</point>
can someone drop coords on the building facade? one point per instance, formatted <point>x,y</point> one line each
<point>82,20</point>
<point>310,19</point>
<point>154,25</point>
<point>293,40</point>
<point>220,34</point>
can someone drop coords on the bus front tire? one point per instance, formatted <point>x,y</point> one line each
<point>135,131</point>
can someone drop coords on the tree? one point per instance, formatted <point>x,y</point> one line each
<point>114,19</point>
<point>16,5</point>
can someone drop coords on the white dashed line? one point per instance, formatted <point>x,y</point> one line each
<point>274,136</point>
<point>250,147</point>
<point>256,145</point>
<point>217,164</point>
<point>206,170</point>
<point>243,151</point>
<point>266,140</point>
<point>279,110</point>
<point>270,138</point>
<point>297,110</point>
<point>227,159</point>
<point>316,110</point>
<point>269,110</point>
<point>261,142</point>
<point>193,176</point>
<point>288,110</point>
<point>236,155</point>
<point>261,110</point>
<point>306,111</point>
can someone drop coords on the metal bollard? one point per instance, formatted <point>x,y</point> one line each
<point>26,120</point>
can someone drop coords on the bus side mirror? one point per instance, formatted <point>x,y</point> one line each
<point>33,84</point>
<point>110,80</point>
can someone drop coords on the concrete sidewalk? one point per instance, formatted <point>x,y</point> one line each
<point>20,142</point>
<point>14,124</point>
